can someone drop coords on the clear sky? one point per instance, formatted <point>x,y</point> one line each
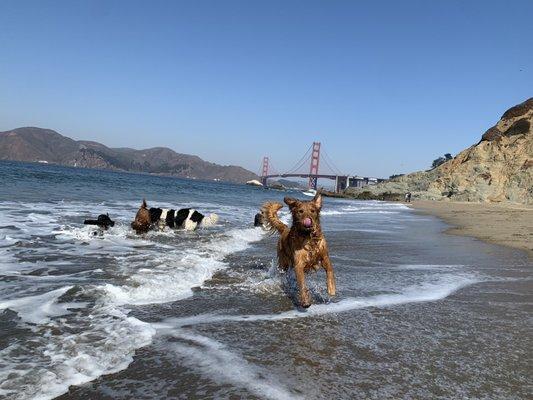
<point>386,86</point>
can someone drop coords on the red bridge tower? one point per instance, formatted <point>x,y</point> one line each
<point>265,171</point>
<point>313,170</point>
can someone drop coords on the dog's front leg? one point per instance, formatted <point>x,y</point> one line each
<point>330,275</point>
<point>305,299</point>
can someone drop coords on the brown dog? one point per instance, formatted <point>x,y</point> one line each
<point>302,246</point>
<point>141,224</point>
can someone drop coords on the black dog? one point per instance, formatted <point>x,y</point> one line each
<point>103,221</point>
<point>259,220</point>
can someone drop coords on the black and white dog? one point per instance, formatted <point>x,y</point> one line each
<point>185,218</point>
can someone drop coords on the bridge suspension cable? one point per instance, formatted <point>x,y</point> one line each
<point>301,165</point>
<point>331,164</point>
<point>267,168</point>
<point>301,162</point>
<point>312,158</point>
<point>273,170</point>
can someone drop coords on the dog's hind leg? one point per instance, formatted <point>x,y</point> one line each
<point>330,275</point>
<point>284,262</point>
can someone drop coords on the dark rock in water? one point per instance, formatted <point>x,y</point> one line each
<point>386,196</point>
<point>276,186</point>
<point>287,183</point>
<point>327,193</point>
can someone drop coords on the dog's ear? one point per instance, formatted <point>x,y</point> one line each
<point>318,200</point>
<point>144,205</point>
<point>290,201</point>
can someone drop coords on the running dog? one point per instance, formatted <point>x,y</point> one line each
<point>186,218</point>
<point>302,246</point>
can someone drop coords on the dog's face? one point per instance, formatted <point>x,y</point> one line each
<point>305,214</point>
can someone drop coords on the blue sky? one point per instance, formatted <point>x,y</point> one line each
<point>386,86</point>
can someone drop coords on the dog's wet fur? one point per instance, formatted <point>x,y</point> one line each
<point>303,245</point>
<point>142,222</point>
<point>159,218</point>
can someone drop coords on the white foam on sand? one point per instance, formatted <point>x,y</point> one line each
<point>56,361</point>
<point>165,282</point>
<point>176,273</point>
<point>40,308</point>
<point>367,207</point>
<point>429,267</point>
<point>431,291</point>
<point>213,359</point>
<point>346,212</point>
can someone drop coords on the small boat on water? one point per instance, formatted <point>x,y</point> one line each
<point>309,192</point>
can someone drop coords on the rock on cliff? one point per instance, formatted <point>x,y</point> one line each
<point>498,168</point>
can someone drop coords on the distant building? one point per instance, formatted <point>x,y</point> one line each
<point>360,181</point>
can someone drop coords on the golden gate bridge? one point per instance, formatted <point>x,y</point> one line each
<point>312,158</point>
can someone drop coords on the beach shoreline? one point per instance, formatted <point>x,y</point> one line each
<point>505,224</point>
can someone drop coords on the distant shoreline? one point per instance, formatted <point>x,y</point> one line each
<point>505,224</point>
<point>46,146</point>
<point>122,171</point>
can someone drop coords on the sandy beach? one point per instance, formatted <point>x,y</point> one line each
<point>506,224</point>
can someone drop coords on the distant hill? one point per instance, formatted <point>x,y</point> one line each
<point>37,144</point>
<point>498,168</point>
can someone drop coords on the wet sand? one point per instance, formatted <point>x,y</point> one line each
<point>505,224</point>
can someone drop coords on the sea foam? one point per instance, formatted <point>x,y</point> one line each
<point>428,291</point>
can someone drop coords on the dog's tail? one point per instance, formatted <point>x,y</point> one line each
<point>209,220</point>
<point>270,213</point>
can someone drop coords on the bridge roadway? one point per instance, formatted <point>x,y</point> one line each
<point>302,176</point>
<point>341,181</point>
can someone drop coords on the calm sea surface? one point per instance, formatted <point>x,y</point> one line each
<point>200,315</point>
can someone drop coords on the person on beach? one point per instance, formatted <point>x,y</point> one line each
<point>408,197</point>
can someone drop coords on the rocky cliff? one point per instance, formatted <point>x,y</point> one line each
<point>37,144</point>
<point>498,168</point>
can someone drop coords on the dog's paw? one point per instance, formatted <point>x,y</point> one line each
<point>305,299</point>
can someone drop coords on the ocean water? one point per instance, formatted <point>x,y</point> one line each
<point>419,314</point>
